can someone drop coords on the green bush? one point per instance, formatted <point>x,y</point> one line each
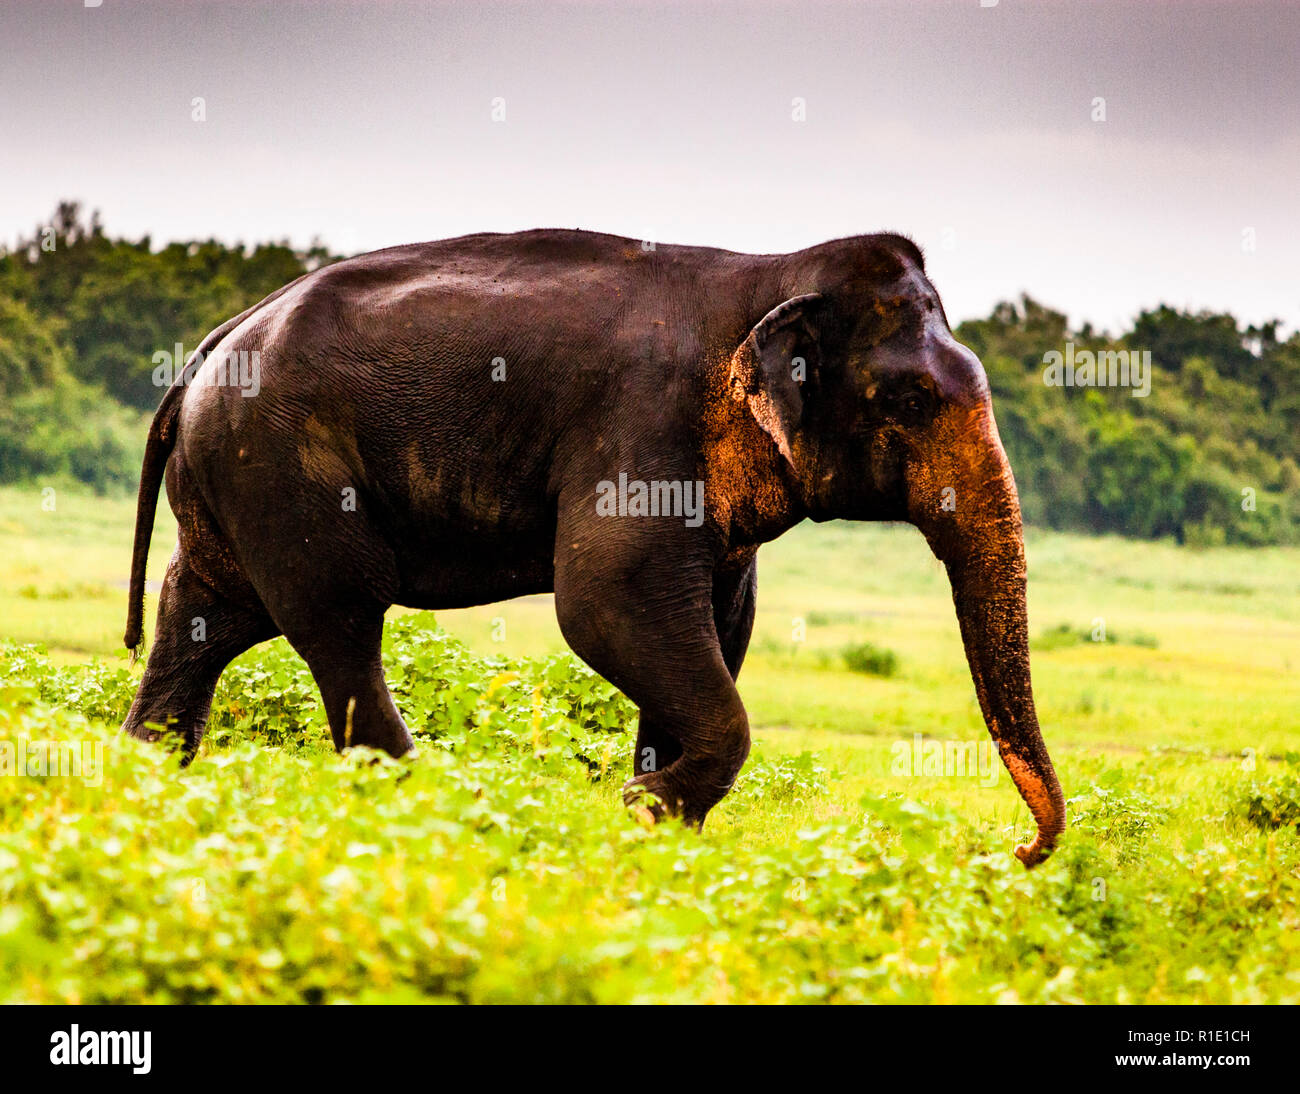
<point>1271,803</point>
<point>1064,635</point>
<point>871,660</point>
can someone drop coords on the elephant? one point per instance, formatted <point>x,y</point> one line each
<point>623,424</point>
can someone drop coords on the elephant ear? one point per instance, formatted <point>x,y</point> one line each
<point>772,364</point>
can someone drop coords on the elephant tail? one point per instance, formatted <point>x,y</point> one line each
<point>162,439</point>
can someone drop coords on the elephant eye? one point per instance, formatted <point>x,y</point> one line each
<point>912,404</point>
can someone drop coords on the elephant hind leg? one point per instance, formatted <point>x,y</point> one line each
<point>330,606</point>
<point>198,633</point>
<point>343,652</point>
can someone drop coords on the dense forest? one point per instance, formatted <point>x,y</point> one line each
<point>1208,456</point>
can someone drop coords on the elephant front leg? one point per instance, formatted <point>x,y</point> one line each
<point>735,588</point>
<point>692,741</point>
<point>655,747</point>
<point>698,779</point>
<point>648,625</point>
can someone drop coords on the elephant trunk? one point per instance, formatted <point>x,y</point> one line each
<point>970,513</point>
<point>993,630</point>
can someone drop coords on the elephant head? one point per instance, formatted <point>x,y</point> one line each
<point>878,413</point>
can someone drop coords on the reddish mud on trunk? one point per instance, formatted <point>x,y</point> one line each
<point>963,498</point>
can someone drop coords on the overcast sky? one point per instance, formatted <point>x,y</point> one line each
<point>969,128</point>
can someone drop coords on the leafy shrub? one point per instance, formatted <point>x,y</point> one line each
<point>1124,817</point>
<point>96,691</point>
<point>448,695</point>
<point>872,660</point>
<point>784,778</point>
<point>1272,802</point>
<point>1064,635</point>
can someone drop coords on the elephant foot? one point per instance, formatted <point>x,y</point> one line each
<point>142,732</point>
<point>652,797</point>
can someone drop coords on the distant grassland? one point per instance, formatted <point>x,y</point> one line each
<point>1175,735</point>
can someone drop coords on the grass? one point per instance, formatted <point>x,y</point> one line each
<point>501,867</point>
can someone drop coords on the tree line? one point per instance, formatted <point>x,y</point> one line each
<point>1207,455</point>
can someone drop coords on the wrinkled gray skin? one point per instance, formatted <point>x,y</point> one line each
<point>822,384</point>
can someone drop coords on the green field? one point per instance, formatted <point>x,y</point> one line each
<point>500,866</point>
